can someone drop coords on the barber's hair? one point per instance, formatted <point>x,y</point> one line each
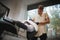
<point>41,7</point>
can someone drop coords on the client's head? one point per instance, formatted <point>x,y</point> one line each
<point>2,13</point>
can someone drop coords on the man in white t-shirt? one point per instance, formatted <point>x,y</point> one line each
<point>42,19</point>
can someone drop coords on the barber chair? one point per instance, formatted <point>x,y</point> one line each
<point>7,26</point>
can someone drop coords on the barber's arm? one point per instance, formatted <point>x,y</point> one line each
<point>35,22</point>
<point>47,20</point>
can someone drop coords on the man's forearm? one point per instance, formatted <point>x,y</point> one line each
<point>45,22</point>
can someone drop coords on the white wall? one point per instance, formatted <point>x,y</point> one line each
<point>10,4</point>
<point>18,8</point>
<point>28,2</point>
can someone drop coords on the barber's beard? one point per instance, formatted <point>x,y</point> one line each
<point>40,14</point>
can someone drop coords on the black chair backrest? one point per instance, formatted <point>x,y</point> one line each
<point>8,27</point>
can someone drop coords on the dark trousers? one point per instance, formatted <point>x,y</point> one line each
<point>30,35</point>
<point>42,37</point>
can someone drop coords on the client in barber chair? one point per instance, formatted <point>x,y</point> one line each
<point>32,29</point>
<point>28,25</point>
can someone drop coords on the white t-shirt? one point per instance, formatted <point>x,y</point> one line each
<point>41,28</point>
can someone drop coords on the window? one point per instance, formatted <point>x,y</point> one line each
<point>54,14</point>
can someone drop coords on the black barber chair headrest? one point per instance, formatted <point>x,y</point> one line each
<point>9,20</point>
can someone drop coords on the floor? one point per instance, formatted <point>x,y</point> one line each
<point>8,37</point>
<point>13,37</point>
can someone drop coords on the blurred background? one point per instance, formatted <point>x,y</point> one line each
<point>26,9</point>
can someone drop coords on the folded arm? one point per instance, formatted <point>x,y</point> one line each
<point>47,20</point>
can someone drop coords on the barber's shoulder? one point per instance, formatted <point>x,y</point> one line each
<point>46,14</point>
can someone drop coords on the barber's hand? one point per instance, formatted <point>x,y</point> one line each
<point>42,22</point>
